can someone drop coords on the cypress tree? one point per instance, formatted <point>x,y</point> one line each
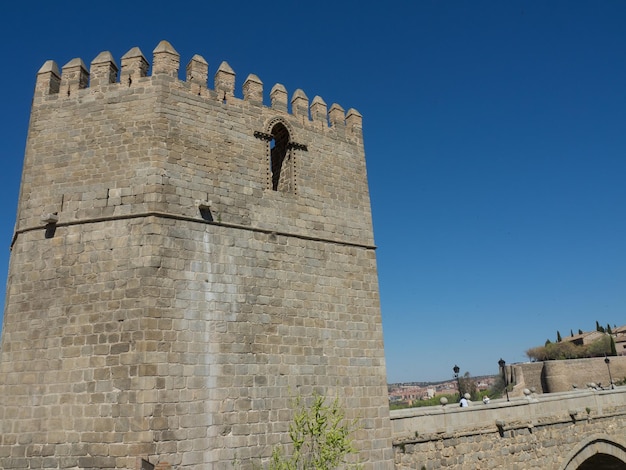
<point>558,336</point>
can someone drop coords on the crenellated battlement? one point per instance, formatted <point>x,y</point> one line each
<point>104,72</point>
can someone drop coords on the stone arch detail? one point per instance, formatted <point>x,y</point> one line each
<point>281,155</point>
<point>592,446</point>
<point>276,120</point>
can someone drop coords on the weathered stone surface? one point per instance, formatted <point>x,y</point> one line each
<point>539,432</point>
<point>565,375</point>
<point>180,302</point>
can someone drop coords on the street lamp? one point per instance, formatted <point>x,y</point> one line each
<point>456,370</point>
<point>505,377</point>
<point>607,361</point>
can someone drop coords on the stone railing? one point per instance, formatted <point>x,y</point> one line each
<point>427,423</point>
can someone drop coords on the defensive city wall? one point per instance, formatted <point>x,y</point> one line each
<point>565,375</point>
<point>558,431</point>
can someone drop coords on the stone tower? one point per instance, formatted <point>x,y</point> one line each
<point>185,262</point>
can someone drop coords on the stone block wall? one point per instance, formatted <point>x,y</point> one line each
<point>164,301</point>
<point>553,431</point>
<point>526,376</point>
<point>565,375</point>
<point>561,376</point>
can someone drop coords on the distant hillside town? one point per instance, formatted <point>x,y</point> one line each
<point>409,393</point>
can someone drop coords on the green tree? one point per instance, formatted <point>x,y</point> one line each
<point>556,351</point>
<point>608,329</point>
<point>320,438</point>
<point>497,388</point>
<point>580,332</point>
<point>564,350</point>
<point>571,332</point>
<point>558,336</point>
<point>599,347</point>
<point>569,350</point>
<point>537,353</point>
<point>468,385</point>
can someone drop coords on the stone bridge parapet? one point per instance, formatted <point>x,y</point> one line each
<point>566,431</point>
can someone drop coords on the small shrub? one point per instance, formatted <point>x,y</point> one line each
<point>320,437</point>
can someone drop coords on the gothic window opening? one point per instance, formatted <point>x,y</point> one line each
<point>281,160</point>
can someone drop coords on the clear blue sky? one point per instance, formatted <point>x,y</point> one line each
<point>495,135</point>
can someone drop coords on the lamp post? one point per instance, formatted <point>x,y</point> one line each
<point>607,361</point>
<point>456,370</point>
<point>505,377</point>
